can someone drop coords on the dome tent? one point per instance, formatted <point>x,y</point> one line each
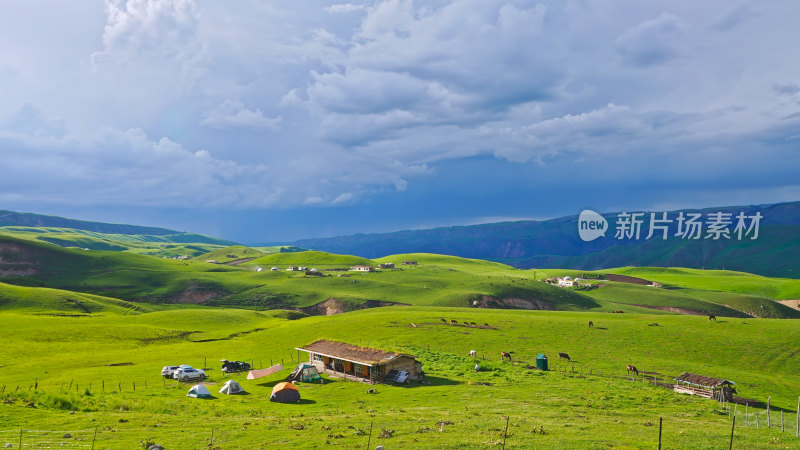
<point>199,391</point>
<point>304,372</point>
<point>231,387</point>
<point>285,393</point>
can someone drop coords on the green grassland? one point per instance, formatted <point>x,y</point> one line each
<point>546,409</point>
<point>60,302</point>
<point>169,245</point>
<point>228,254</point>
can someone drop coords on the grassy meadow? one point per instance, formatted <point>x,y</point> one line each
<point>89,364</point>
<point>86,332</point>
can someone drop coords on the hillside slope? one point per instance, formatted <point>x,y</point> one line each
<point>11,218</point>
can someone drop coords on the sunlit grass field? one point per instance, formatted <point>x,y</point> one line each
<point>65,355</point>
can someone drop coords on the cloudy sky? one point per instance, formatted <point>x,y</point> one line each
<point>272,121</point>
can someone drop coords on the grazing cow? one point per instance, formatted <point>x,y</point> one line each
<point>486,325</point>
<point>618,312</point>
<point>473,324</point>
<point>504,355</point>
<point>633,369</point>
<point>473,354</point>
<point>712,317</point>
<point>591,324</point>
<point>562,355</point>
<point>443,321</point>
<point>453,322</point>
<point>466,324</point>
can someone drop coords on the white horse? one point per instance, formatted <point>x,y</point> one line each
<point>473,354</point>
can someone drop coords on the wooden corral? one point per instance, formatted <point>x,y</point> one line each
<point>708,387</point>
<point>361,363</point>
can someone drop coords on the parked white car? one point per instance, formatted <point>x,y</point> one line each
<point>190,374</point>
<point>180,369</point>
<point>168,371</point>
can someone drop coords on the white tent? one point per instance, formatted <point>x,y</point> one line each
<point>231,387</point>
<point>253,374</point>
<point>199,391</point>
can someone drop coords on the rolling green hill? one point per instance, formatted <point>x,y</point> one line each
<point>229,254</point>
<point>166,245</point>
<point>59,302</point>
<point>437,280</point>
<point>11,218</point>
<point>310,259</point>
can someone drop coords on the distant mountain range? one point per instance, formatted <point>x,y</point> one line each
<point>11,218</point>
<point>556,243</point>
<point>106,236</point>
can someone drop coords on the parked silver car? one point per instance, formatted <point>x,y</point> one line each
<point>190,374</point>
<point>168,371</point>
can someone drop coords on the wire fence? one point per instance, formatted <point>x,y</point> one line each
<point>48,439</point>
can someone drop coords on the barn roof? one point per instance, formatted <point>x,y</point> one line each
<point>353,353</point>
<point>702,381</point>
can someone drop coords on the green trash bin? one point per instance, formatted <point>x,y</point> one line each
<point>541,361</point>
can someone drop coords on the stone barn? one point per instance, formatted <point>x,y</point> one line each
<point>709,387</point>
<point>363,364</point>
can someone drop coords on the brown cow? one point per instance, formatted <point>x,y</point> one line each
<point>453,322</point>
<point>504,355</point>
<point>562,355</point>
<point>712,317</point>
<point>633,369</point>
<point>591,324</point>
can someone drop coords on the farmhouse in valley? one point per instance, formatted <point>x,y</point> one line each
<point>386,266</point>
<point>409,263</point>
<point>363,364</point>
<point>709,387</point>
<point>362,268</point>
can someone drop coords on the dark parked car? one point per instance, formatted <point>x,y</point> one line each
<point>234,366</point>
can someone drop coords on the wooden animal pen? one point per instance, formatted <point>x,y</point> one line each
<point>363,364</point>
<point>709,387</point>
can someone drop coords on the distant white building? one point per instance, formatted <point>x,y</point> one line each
<point>361,268</point>
<point>567,282</point>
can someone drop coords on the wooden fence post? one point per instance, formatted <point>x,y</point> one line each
<point>660,423</point>
<point>505,433</point>
<point>797,424</point>
<point>769,399</point>
<point>747,414</point>
<point>733,425</point>
<point>782,428</point>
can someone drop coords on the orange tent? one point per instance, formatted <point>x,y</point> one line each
<point>285,393</point>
